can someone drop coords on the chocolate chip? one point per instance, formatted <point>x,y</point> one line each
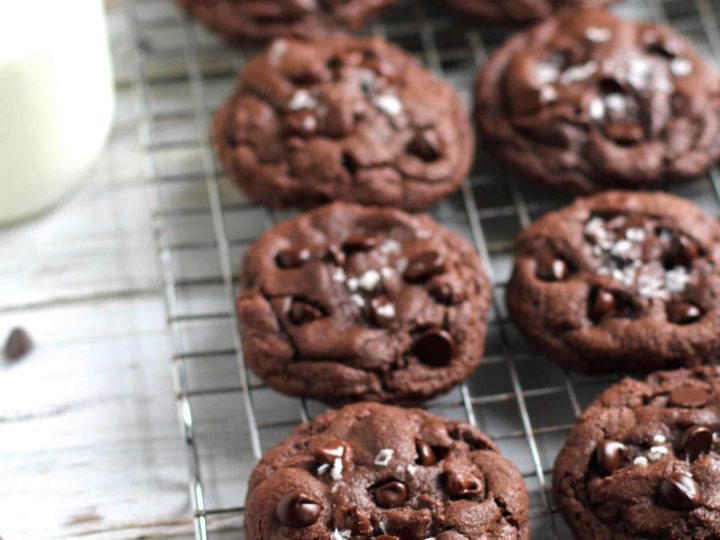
<point>18,344</point>
<point>349,163</point>
<point>426,456</point>
<point>382,311</point>
<point>682,251</point>
<point>298,510</point>
<point>688,396</point>
<point>292,257</point>
<point>424,266</point>
<point>332,450</point>
<point>393,494</point>
<point>551,268</point>
<point>462,485</point>
<point>696,441</point>
<point>303,313</point>
<point>679,491</point>
<point>682,312</point>
<point>602,304</point>
<point>425,145</point>
<point>359,242</point>
<point>609,455</point>
<point>624,132</point>
<point>434,348</point>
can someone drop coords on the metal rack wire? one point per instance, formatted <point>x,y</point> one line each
<point>202,226</point>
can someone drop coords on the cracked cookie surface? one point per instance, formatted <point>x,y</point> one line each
<point>643,461</point>
<point>347,302</point>
<point>377,472</point>
<point>516,11</point>
<point>620,281</point>
<point>586,101</point>
<point>342,118</point>
<point>243,21</point>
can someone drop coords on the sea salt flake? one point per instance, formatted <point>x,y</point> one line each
<point>635,234</point>
<point>411,469</point>
<point>388,247</point>
<point>384,456</point>
<point>546,72</point>
<point>387,272</point>
<point>659,438</point>
<point>657,452</point>
<point>389,104</point>
<point>676,279</point>
<point>341,535</point>
<point>322,469</point>
<point>597,109</point>
<point>621,248</point>
<point>681,67</point>
<point>548,94</point>
<point>302,100</point>
<point>598,34</point>
<point>641,461</point>
<point>352,284</point>
<point>386,310</point>
<point>337,469</point>
<point>369,280</point>
<point>579,73</point>
<point>359,300</point>
<point>616,102</point>
<point>338,275</point>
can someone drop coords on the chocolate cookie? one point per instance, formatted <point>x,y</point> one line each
<point>242,21</point>
<point>620,281</point>
<point>349,302</point>
<point>375,472</point>
<point>516,11</point>
<point>643,461</point>
<point>586,101</point>
<point>343,118</point>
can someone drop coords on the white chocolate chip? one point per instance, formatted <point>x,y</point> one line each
<point>302,100</point>
<point>389,104</point>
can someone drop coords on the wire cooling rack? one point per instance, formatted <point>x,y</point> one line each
<point>203,226</point>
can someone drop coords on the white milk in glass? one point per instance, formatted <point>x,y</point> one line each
<point>56,99</point>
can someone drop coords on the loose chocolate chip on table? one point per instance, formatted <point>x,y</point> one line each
<point>434,348</point>
<point>679,491</point>
<point>391,495</point>
<point>602,304</point>
<point>332,450</point>
<point>303,313</point>
<point>609,455</point>
<point>696,441</point>
<point>18,344</point>
<point>426,456</point>
<point>462,485</point>
<point>550,268</point>
<point>689,396</point>
<point>298,510</point>
<point>682,312</point>
<point>424,266</point>
<point>292,257</point>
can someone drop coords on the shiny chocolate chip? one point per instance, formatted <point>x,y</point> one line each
<point>609,455</point>
<point>696,441</point>
<point>602,304</point>
<point>435,348</point>
<point>683,250</point>
<point>302,313</point>
<point>424,266</point>
<point>552,269</point>
<point>298,510</point>
<point>426,456</point>
<point>332,450</point>
<point>682,312</point>
<point>689,396</point>
<point>292,257</point>
<point>392,494</point>
<point>425,145</point>
<point>359,242</point>
<point>18,344</point>
<point>461,485</point>
<point>680,491</point>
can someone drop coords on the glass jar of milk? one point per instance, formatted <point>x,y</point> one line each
<point>56,99</point>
